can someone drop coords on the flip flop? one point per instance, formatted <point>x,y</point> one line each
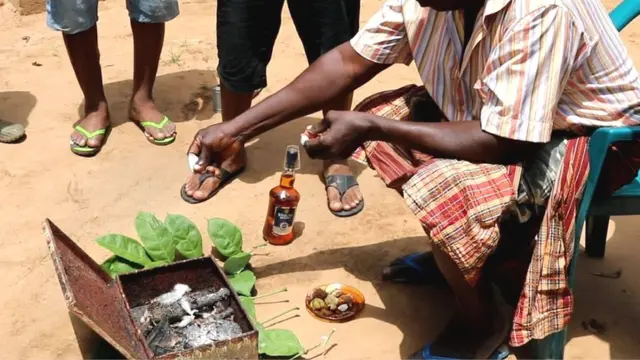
<point>225,178</point>
<point>162,124</point>
<point>88,150</point>
<point>10,132</point>
<point>415,269</point>
<point>342,183</point>
<point>502,352</point>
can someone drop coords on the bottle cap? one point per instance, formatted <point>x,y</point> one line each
<point>292,158</point>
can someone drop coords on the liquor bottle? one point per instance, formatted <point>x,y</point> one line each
<point>283,202</point>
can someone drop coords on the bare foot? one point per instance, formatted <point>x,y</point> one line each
<point>201,191</point>
<point>93,121</point>
<point>145,110</point>
<point>351,198</point>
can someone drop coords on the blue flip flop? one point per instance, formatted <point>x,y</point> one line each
<point>501,353</point>
<point>416,269</point>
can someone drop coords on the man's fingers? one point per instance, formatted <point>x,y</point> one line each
<point>319,128</point>
<point>204,159</point>
<point>195,146</point>
<point>317,148</point>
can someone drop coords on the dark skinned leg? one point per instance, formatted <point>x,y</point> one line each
<point>246,34</point>
<point>353,196</point>
<point>475,324</point>
<point>233,104</point>
<point>147,47</point>
<point>85,60</point>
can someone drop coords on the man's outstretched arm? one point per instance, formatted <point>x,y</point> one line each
<point>520,88</point>
<point>339,71</point>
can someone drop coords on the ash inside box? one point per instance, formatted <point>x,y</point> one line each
<point>183,319</point>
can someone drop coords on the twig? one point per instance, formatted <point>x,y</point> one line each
<point>612,275</point>
<point>322,343</point>
<point>256,248</point>
<point>269,294</point>
<point>281,314</point>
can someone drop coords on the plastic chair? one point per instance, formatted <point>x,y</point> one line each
<point>596,211</point>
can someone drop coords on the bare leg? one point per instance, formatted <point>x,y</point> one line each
<point>85,60</point>
<point>147,47</point>
<point>353,196</point>
<point>473,330</point>
<point>233,104</point>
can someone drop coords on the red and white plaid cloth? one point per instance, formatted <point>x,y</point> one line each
<point>460,204</point>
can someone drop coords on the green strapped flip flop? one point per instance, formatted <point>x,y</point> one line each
<point>162,124</point>
<point>88,150</point>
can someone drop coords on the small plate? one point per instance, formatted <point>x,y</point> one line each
<point>356,307</point>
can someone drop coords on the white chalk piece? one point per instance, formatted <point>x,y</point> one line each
<point>192,159</point>
<point>303,139</point>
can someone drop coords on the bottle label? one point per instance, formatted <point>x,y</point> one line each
<point>283,220</point>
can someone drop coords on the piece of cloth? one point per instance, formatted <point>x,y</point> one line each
<point>247,31</point>
<point>461,206</point>
<point>75,16</point>
<point>531,66</point>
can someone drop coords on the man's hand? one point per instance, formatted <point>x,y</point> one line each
<point>341,134</point>
<point>214,145</point>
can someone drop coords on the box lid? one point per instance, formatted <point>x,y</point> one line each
<point>92,295</point>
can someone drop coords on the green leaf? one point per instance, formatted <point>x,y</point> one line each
<point>156,238</point>
<point>279,342</point>
<point>124,247</point>
<point>116,265</point>
<point>236,263</point>
<point>225,236</point>
<point>243,283</point>
<point>249,306</point>
<point>186,236</point>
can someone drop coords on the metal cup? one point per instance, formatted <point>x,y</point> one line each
<point>217,100</point>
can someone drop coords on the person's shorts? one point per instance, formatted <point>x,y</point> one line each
<point>74,16</point>
<point>247,31</point>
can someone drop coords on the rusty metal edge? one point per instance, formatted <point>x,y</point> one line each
<point>68,295</point>
<point>139,337</point>
<point>102,334</point>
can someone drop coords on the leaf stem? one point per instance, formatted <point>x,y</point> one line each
<point>256,247</point>
<point>322,343</point>
<point>269,294</point>
<point>281,314</point>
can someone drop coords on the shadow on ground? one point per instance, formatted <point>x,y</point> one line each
<point>16,106</point>
<point>620,331</point>
<point>420,312</point>
<point>187,95</point>
<point>182,96</point>
<point>274,142</point>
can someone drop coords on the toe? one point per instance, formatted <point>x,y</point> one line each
<point>171,129</point>
<point>335,204</point>
<point>207,187</point>
<point>192,184</point>
<point>78,139</point>
<point>94,142</point>
<point>351,198</point>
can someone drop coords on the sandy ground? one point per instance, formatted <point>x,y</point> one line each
<point>40,178</point>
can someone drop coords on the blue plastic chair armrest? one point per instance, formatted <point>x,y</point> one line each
<point>599,144</point>
<point>624,13</point>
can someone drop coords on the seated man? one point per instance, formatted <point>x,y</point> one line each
<point>495,142</point>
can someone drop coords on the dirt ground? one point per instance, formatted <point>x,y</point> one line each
<point>40,178</point>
